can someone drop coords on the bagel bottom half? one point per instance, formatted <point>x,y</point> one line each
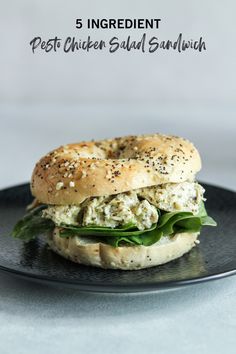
<point>85,250</point>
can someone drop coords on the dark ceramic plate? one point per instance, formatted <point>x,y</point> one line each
<point>214,258</point>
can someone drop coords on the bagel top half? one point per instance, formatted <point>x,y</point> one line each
<point>74,172</point>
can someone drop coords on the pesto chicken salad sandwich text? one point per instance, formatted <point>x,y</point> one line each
<point>126,203</point>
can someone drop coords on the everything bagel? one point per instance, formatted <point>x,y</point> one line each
<point>123,203</point>
<point>75,172</point>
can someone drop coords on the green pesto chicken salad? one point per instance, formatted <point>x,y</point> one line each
<point>138,217</point>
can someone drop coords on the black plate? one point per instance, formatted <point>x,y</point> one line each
<point>213,258</point>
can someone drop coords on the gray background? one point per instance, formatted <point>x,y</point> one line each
<point>48,100</point>
<point>163,78</point>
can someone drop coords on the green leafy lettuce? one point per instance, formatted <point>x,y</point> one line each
<point>169,223</point>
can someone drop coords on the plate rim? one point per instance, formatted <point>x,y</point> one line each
<point>118,288</point>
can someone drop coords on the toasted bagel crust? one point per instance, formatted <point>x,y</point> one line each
<point>85,251</point>
<point>72,173</point>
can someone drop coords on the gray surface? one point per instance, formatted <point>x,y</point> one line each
<point>41,319</point>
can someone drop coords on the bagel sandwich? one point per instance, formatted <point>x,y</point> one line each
<point>124,203</point>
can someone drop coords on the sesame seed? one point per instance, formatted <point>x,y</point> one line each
<point>59,185</point>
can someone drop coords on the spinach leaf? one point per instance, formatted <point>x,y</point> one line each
<point>167,225</point>
<point>69,230</point>
<point>32,224</point>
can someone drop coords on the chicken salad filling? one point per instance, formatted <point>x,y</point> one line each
<point>139,207</point>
